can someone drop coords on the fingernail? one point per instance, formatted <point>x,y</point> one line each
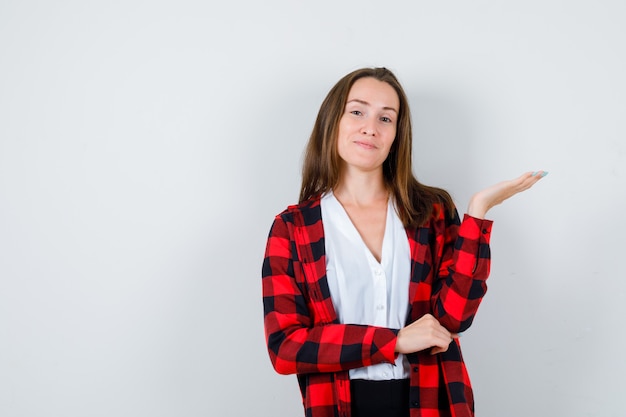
<point>534,173</point>
<point>544,174</point>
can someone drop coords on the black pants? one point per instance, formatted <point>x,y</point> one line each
<point>380,398</point>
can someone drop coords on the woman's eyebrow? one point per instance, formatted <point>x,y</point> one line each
<point>365,103</point>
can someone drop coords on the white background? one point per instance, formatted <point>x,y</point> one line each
<point>145,147</point>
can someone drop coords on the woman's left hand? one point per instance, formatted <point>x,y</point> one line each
<point>484,200</point>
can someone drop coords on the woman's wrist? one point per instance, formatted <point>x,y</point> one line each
<point>477,209</point>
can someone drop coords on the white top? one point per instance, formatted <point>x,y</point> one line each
<point>363,290</point>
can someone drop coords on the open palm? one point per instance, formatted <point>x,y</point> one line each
<point>484,200</point>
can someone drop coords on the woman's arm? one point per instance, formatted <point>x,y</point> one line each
<point>295,341</point>
<point>465,255</point>
<point>462,257</point>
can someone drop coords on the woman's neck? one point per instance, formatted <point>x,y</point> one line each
<point>361,189</point>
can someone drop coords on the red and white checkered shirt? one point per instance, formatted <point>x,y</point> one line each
<point>449,267</point>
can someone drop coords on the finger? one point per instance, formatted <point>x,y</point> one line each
<point>534,178</point>
<point>441,348</point>
<point>442,334</point>
<point>537,175</point>
<point>534,175</point>
<point>437,350</point>
<point>527,180</point>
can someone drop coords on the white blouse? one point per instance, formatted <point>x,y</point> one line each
<point>363,290</point>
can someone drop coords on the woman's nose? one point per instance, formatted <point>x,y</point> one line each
<point>368,128</point>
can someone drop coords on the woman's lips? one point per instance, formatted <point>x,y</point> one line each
<point>365,145</point>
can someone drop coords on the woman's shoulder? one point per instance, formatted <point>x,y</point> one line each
<point>442,216</point>
<point>305,216</point>
<point>309,210</point>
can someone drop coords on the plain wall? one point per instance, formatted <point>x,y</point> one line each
<point>145,147</point>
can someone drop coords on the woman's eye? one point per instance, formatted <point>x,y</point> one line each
<point>356,112</point>
<point>385,119</point>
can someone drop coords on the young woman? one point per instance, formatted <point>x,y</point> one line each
<point>370,278</point>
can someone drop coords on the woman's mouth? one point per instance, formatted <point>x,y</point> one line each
<point>365,145</point>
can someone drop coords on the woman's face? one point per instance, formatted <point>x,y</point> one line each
<point>367,127</point>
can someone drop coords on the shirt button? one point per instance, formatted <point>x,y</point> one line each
<point>380,307</point>
<point>378,272</point>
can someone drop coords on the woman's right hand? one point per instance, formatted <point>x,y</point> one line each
<point>423,334</point>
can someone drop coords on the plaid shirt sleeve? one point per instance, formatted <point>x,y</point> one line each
<point>302,332</point>
<point>463,255</point>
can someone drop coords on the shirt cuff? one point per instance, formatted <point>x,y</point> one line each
<point>473,228</point>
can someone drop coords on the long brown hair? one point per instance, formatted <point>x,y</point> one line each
<point>320,170</point>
